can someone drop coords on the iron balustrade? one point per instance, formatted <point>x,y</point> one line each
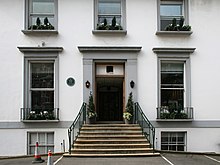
<point>166,113</point>
<point>74,129</point>
<point>39,114</point>
<point>148,129</point>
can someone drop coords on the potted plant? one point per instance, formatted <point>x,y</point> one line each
<point>106,26</point>
<point>39,26</point>
<point>178,27</point>
<point>91,113</point>
<point>129,110</point>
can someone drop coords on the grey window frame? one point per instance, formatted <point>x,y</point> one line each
<point>187,79</point>
<point>41,57</point>
<point>123,13</point>
<point>40,145</point>
<point>176,144</point>
<point>27,16</point>
<point>185,10</point>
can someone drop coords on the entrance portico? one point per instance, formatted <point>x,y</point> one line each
<point>109,70</point>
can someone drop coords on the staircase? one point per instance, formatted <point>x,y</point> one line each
<point>111,140</point>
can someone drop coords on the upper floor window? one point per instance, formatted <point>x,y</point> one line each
<point>173,15</point>
<point>110,14</point>
<point>41,14</point>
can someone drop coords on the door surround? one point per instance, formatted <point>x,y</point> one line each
<point>109,54</point>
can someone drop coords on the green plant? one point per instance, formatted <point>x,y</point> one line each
<point>39,26</point>
<point>173,115</point>
<point>91,108</point>
<point>129,109</point>
<point>178,27</point>
<point>105,26</point>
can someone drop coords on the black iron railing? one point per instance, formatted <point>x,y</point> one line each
<point>74,129</point>
<point>148,129</point>
<point>39,114</point>
<point>166,113</point>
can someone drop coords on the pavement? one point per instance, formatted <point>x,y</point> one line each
<point>164,159</point>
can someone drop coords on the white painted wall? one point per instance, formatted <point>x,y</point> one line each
<point>75,28</point>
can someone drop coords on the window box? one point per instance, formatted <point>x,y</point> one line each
<point>166,113</point>
<point>174,33</point>
<point>29,114</point>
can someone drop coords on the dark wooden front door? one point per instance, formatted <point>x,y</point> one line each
<point>110,99</point>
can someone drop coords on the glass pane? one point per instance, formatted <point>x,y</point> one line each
<point>109,7</point>
<point>33,138</point>
<point>172,98</point>
<point>180,148</point>
<point>109,19</point>
<point>172,147</point>
<point>164,147</point>
<point>50,19</point>
<point>42,100</point>
<point>164,22</point>
<point>43,6</point>
<point>42,75</point>
<point>32,150</point>
<point>50,138</point>
<point>41,138</point>
<point>171,9</point>
<point>172,74</point>
<point>41,150</point>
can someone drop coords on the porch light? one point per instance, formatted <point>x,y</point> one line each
<point>132,84</point>
<point>87,84</point>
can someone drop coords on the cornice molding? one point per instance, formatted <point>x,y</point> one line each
<point>109,48</point>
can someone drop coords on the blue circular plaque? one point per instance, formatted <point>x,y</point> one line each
<point>70,81</point>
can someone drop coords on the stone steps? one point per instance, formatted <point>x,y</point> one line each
<point>111,140</point>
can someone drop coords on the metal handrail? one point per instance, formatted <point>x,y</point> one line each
<point>148,129</point>
<point>74,129</point>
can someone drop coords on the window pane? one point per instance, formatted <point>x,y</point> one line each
<point>33,138</point>
<point>109,7</point>
<point>34,19</point>
<point>109,19</point>
<point>43,6</point>
<point>180,148</point>
<point>42,75</point>
<point>172,98</point>
<point>41,138</point>
<point>50,138</point>
<point>32,150</point>
<point>42,100</point>
<point>171,10</point>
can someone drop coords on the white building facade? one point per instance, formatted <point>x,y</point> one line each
<point>54,53</point>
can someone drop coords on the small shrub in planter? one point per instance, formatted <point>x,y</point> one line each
<point>129,110</point>
<point>105,26</point>
<point>178,27</point>
<point>39,26</point>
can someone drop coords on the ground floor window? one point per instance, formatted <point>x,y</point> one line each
<point>173,141</point>
<point>44,139</point>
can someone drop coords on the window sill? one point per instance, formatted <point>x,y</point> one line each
<point>174,32</point>
<point>29,32</point>
<point>122,32</point>
<point>40,121</point>
<point>174,120</point>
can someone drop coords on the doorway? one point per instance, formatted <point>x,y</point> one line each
<point>109,98</point>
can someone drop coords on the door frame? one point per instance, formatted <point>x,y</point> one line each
<point>110,63</point>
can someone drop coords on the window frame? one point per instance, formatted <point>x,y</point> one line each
<point>185,11</point>
<point>123,14</point>
<point>186,79</point>
<point>28,13</point>
<point>46,145</point>
<point>169,143</point>
<point>27,77</point>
